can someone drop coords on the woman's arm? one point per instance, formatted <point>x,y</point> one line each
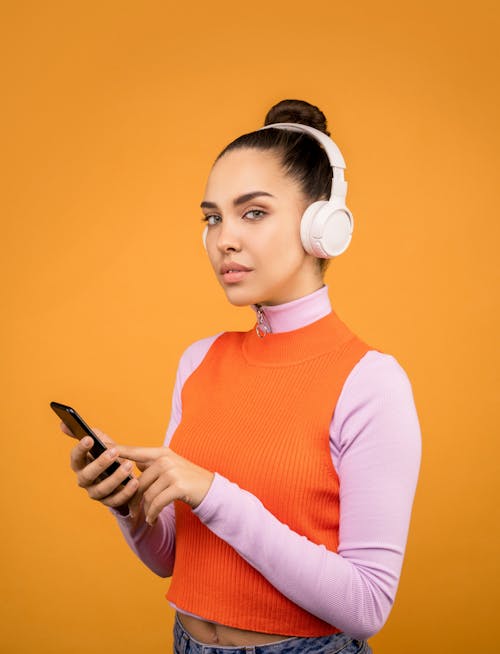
<point>375,446</point>
<point>155,544</point>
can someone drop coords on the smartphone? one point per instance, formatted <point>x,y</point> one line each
<point>80,429</point>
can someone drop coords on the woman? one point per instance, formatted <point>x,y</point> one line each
<point>284,488</point>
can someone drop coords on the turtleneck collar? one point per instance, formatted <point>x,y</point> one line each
<point>293,315</point>
<point>302,329</point>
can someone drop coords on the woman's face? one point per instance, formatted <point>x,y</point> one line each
<point>254,211</point>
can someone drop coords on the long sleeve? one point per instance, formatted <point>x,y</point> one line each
<point>155,545</point>
<point>375,446</point>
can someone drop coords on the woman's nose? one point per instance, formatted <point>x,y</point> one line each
<point>228,237</point>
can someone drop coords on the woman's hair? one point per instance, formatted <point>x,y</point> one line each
<point>301,156</point>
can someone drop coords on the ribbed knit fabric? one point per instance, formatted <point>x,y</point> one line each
<point>258,411</point>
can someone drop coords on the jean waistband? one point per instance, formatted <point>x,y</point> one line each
<point>304,645</point>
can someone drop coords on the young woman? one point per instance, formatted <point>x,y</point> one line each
<point>284,488</point>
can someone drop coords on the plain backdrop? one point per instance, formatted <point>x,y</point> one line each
<point>112,114</point>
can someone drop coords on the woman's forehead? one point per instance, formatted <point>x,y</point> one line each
<point>246,170</point>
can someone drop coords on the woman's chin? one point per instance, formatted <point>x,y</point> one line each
<point>239,297</point>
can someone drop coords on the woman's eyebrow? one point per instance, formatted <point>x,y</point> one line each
<point>237,201</point>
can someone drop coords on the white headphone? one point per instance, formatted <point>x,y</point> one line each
<point>326,225</point>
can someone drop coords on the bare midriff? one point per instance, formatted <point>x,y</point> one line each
<point>210,633</point>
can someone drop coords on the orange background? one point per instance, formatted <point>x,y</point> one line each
<point>112,115</point>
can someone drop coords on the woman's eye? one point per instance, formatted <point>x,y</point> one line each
<point>211,220</point>
<point>254,214</point>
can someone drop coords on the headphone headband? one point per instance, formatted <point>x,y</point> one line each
<point>339,186</point>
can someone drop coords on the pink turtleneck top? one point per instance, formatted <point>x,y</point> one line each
<point>375,445</point>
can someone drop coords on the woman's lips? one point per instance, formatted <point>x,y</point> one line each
<point>234,276</point>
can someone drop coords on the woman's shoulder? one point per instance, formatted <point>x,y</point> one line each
<point>380,367</point>
<point>194,354</point>
<point>377,376</point>
<point>377,393</point>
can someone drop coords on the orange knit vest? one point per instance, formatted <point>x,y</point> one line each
<point>258,411</point>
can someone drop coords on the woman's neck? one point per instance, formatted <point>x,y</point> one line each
<point>295,314</point>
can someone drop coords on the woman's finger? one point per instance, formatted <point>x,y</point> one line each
<point>110,485</point>
<point>155,490</point>
<point>141,454</point>
<point>147,478</point>
<point>123,496</point>
<point>64,428</point>
<point>78,457</point>
<point>87,475</point>
<point>160,502</point>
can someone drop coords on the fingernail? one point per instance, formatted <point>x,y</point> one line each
<point>128,465</point>
<point>86,441</point>
<point>112,452</point>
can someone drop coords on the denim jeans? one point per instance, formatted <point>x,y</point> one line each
<point>341,643</point>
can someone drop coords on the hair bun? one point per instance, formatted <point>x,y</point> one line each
<point>297,111</point>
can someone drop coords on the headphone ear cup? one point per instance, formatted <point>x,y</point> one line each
<point>326,229</point>
<point>204,237</point>
<point>306,225</point>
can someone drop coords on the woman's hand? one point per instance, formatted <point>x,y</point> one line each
<point>166,476</point>
<point>107,490</point>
